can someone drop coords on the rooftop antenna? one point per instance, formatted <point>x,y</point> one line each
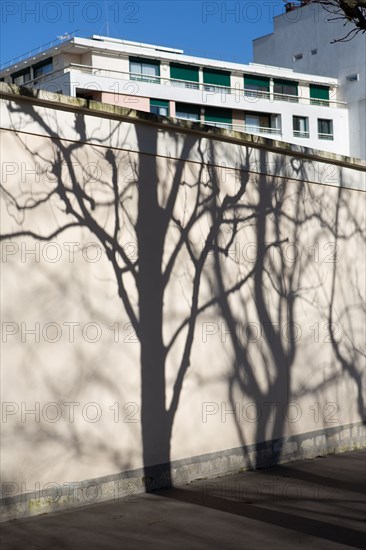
<point>106,19</point>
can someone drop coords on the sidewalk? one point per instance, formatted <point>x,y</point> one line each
<point>317,504</point>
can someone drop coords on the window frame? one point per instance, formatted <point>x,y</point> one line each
<point>319,94</point>
<point>326,135</point>
<point>190,109</point>
<point>19,74</point>
<point>297,132</point>
<point>218,116</point>
<point>267,123</point>
<point>285,95</point>
<point>256,85</point>
<point>159,104</point>
<point>216,80</point>
<point>46,63</point>
<point>141,76</point>
<point>191,75</point>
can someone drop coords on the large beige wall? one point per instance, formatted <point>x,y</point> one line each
<point>313,277</point>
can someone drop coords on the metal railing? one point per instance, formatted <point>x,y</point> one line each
<point>145,78</point>
<point>244,128</point>
<point>326,136</point>
<point>36,51</point>
<point>261,130</point>
<point>292,98</point>
<point>301,134</point>
<point>242,93</point>
<point>322,102</point>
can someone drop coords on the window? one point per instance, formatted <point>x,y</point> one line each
<point>325,129</point>
<point>218,117</point>
<point>159,107</point>
<point>92,95</point>
<point>297,57</point>
<point>185,76</point>
<point>43,68</point>
<point>353,77</point>
<point>256,86</point>
<point>216,81</point>
<point>301,126</point>
<point>319,95</point>
<point>145,70</point>
<point>262,123</point>
<point>314,52</point>
<point>187,112</point>
<point>21,77</point>
<point>286,90</point>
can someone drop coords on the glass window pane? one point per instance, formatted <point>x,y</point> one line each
<point>150,70</point>
<point>44,68</point>
<point>251,120</point>
<point>135,67</point>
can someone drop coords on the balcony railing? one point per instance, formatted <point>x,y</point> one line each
<point>326,136</point>
<point>261,130</point>
<point>301,134</point>
<point>245,128</point>
<point>145,78</point>
<point>183,83</point>
<point>322,102</point>
<point>216,89</point>
<point>261,94</point>
<point>242,93</point>
<point>287,97</point>
<point>54,43</point>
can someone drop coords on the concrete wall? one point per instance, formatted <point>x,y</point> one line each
<point>127,101</point>
<point>71,379</point>
<point>313,28</point>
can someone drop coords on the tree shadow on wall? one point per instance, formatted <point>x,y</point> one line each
<point>178,212</point>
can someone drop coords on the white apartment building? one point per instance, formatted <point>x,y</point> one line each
<point>276,102</point>
<point>304,40</point>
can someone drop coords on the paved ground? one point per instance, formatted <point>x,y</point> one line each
<point>316,504</point>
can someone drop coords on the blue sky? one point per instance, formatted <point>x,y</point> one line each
<point>221,30</point>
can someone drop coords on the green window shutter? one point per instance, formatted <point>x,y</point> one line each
<point>187,108</point>
<point>159,103</point>
<point>159,107</point>
<point>183,72</point>
<point>218,78</point>
<point>287,87</point>
<point>319,92</point>
<point>256,82</point>
<point>216,114</point>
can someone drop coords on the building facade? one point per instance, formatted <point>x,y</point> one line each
<point>306,39</point>
<point>275,102</point>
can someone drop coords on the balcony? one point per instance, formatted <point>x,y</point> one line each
<point>245,128</point>
<point>244,94</point>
